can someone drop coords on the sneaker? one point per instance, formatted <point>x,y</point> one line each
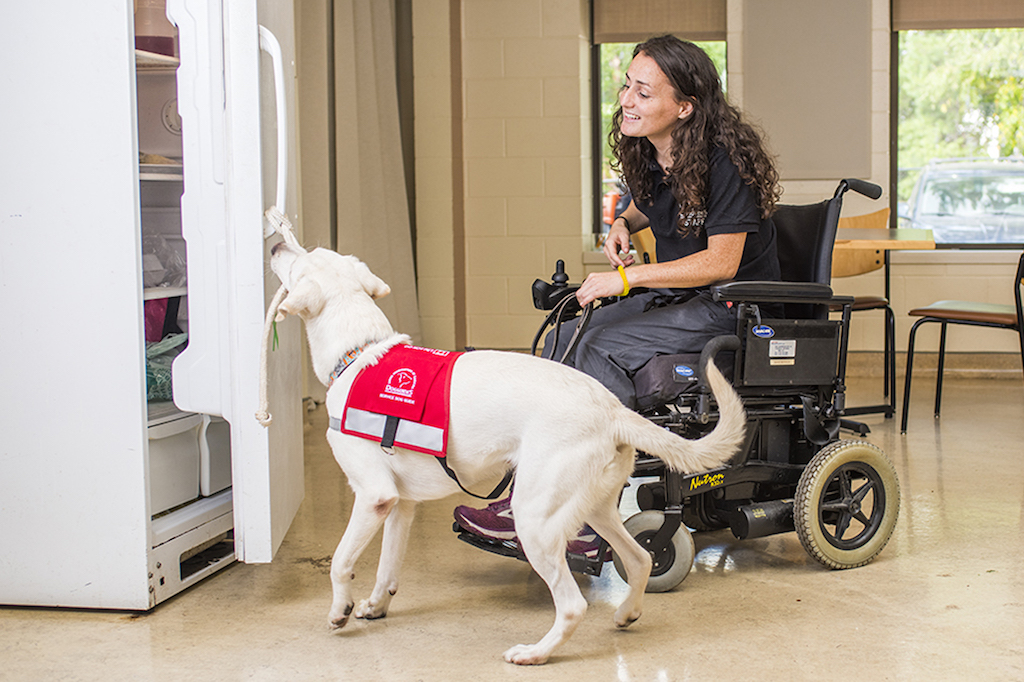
<point>493,521</point>
<point>587,543</point>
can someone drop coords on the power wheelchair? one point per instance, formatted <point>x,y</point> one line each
<point>794,472</point>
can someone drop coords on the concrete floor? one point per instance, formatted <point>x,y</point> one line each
<point>944,601</point>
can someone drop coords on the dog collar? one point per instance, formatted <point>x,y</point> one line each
<point>346,360</point>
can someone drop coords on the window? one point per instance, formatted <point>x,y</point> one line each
<point>614,59</point>
<point>960,135</point>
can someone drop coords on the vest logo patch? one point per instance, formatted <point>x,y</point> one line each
<point>401,384</point>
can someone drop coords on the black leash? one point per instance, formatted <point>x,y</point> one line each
<point>555,317</point>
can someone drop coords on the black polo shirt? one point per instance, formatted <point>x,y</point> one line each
<point>730,207</point>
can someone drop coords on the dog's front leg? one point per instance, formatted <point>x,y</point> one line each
<point>367,517</point>
<point>396,538</point>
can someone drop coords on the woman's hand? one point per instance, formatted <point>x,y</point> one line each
<point>617,242</point>
<point>599,285</point>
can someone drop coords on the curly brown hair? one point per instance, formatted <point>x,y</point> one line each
<point>714,122</point>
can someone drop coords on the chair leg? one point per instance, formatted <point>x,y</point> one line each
<point>942,366</point>
<point>889,358</point>
<point>910,373</point>
<point>1020,334</point>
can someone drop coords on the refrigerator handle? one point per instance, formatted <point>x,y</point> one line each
<point>269,44</point>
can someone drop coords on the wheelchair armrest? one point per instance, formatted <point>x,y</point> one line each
<point>777,292</point>
<point>546,295</point>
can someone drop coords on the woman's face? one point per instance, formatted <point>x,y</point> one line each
<point>649,105</point>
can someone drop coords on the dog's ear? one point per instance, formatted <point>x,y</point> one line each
<point>371,283</point>
<point>305,299</point>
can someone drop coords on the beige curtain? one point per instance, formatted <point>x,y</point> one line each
<point>364,158</point>
<point>352,183</point>
<point>633,21</point>
<point>373,213</point>
<point>949,14</point>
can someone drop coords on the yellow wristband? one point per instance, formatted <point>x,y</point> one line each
<point>625,282</point>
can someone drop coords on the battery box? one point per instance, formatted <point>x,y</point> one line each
<point>791,352</point>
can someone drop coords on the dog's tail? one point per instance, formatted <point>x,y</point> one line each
<point>691,456</point>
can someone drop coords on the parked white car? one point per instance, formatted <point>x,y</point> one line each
<point>969,201</point>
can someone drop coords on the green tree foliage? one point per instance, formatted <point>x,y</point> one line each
<point>961,94</point>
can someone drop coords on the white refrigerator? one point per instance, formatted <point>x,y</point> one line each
<point>109,499</point>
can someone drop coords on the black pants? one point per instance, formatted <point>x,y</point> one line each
<point>623,337</point>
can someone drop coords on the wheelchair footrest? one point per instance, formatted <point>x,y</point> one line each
<point>578,563</point>
<point>508,548</point>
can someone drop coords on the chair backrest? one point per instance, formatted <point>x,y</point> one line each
<point>806,235</point>
<point>850,261</point>
<point>646,245</point>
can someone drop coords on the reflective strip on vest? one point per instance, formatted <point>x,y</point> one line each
<point>409,434</point>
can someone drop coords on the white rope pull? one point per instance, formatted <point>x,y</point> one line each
<point>280,223</point>
<point>263,416</point>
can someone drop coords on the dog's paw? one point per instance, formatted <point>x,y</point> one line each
<point>338,620</point>
<point>526,654</point>
<point>370,610</point>
<point>624,620</point>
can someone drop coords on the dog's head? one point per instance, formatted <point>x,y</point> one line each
<point>314,277</point>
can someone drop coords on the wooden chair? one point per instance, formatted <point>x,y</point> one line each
<point>644,243</point>
<point>972,313</point>
<point>850,262</point>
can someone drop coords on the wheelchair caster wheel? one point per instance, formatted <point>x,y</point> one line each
<point>671,563</point>
<point>846,504</point>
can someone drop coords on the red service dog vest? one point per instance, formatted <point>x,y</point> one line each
<point>403,400</point>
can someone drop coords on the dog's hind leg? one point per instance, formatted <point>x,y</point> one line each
<point>545,549</point>
<point>606,521</point>
<point>367,518</point>
<point>396,537</point>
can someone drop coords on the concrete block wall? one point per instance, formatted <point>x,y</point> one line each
<point>527,155</point>
<point>521,113</point>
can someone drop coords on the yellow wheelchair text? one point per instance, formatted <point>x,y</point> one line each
<point>710,480</point>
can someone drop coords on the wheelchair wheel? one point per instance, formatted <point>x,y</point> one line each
<point>671,563</point>
<point>846,504</point>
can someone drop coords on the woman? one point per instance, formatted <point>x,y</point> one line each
<point>701,178</point>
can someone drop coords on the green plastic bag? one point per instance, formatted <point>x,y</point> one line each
<point>159,357</point>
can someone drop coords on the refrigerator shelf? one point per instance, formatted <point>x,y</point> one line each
<point>152,60</point>
<point>153,293</point>
<point>163,412</point>
<point>161,172</point>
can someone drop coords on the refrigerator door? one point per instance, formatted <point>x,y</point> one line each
<point>202,377</point>
<point>73,471</point>
<point>229,129</point>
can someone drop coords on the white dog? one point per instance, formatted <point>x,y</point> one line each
<point>571,465</point>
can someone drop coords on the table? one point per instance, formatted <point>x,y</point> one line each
<point>900,238</point>
<point>893,239</point>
